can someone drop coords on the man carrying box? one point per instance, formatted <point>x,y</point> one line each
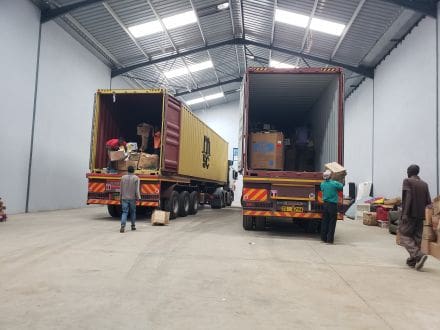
<point>329,190</point>
<point>114,145</point>
<point>415,198</point>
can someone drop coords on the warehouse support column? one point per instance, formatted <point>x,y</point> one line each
<point>33,121</point>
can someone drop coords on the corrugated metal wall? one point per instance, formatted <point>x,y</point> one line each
<point>203,153</point>
<point>325,126</point>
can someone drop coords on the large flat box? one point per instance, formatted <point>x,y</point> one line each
<point>436,205</point>
<point>116,155</point>
<point>148,162</point>
<point>123,165</point>
<point>267,151</point>
<point>160,218</point>
<point>434,249</point>
<point>428,215</point>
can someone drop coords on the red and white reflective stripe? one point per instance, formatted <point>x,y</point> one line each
<point>308,215</point>
<point>97,187</point>
<point>116,202</point>
<point>253,194</point>
<point>150,188</point>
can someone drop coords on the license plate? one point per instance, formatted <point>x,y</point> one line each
<point>292,209</point>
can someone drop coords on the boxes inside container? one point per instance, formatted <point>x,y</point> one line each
<point>119,116</point>
<point>304,108</point>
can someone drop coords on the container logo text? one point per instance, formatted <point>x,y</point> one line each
<point>206,152</point>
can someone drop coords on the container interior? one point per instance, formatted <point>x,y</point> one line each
<point>297,105</point>
<point>119,116</point>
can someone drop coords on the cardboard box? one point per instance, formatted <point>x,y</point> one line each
<point>160,218</point>
<point>338,171</point>
<point>428,215</point>
<point>434,249</point>
<point>148,162</point>
<point>369,219</point>
<point>429,234</point>
<point>123,165</point>
<point>436,205</point>
<point>144,129</point>
<point>134,156</point>
<point>267,151</point>
<point>116,155</point>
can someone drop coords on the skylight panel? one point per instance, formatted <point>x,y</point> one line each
<point>179,20</point>
<point>281,65</point>
<point>206,98</point>
<point>322,25</point>
<point>316,24</point>
<point>145,29</point>
<point>191,68</point>
<point>291,18</point>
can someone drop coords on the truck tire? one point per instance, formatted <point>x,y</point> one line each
<point>260,223</point>
<point>172,205</point>
<point>184,203</point>
<point>217,201</point>
<point>193,203</point>
<point>247,222</point>
<point>115,211</point>
<point>229,198</point>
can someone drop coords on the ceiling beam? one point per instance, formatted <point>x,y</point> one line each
<point>218,84</point>
<point>347,27</point>
<point>426,7</point>
<point>365,71</point>
<point>50,14</point>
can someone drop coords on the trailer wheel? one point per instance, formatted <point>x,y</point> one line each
<point>115,211</point>
<point>247,222</point>
<point>193,203</point>
<point>229,198</point>
<point>217,201</point>
<point>172,205</point>
<point>184,203</point>
<point>260,223</point>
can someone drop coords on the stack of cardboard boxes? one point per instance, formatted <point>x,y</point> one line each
<point>267,151</point>
<point>431,229</point>
<point>3,215</point>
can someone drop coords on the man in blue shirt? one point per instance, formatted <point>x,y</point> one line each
<point>329,190</point>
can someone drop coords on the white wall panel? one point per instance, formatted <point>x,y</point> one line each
<point>19,24</point>
<point>405,111</point>
<point>68,77</point>
<point>358,134</point>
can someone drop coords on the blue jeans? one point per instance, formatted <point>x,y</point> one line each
<point>128,205</point>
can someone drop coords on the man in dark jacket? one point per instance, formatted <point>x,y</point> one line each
<point>415,198</point>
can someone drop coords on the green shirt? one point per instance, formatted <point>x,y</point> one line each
<point>330,190</point>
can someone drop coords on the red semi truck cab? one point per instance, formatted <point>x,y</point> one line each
<point>281,101</point>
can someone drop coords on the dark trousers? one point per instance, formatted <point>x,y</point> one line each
<point>411,230</point>
<point>329,218</point>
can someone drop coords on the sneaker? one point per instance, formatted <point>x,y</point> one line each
<point>411,262</point>
<point>421,262</point>
<point>133,227</point>
<point>122,229</point>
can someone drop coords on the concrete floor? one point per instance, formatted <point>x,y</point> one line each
<point>74,270</point>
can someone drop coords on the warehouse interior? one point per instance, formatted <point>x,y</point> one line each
<point>64,264</point>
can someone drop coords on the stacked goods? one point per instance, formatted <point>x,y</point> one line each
<point>338,171</point>
<point>382,216</point>
<point>393,201</point>
<point>148,162</point>
<point>267,151</point>
<point>117,155</point>
<point>360,209</point>
<point>3,215</point>
<point>431,229</point>
<point>144,130</point>
<point>369,219</point>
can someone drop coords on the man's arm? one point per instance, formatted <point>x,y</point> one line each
<point>138,193</point>
<point>338,185</point>
<point>121,189</point>
<point>406,198</point>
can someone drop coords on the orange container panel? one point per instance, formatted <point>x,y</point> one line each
<point>203,153</point>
